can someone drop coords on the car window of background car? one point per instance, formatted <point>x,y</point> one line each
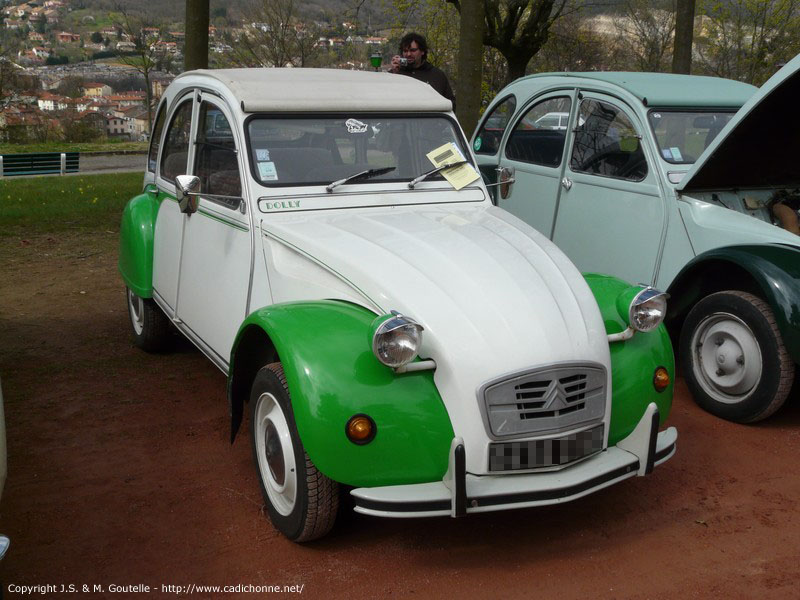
<point>319,150</point>
<point>682,136</point>
<point>155,138</point>
<point>538,137</point>
<point>488,139</point>
<point>216,163</point>
<point>176,144</point>
<point>606,143</point>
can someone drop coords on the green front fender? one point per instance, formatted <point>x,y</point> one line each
<point>774,270</point>
<point>332,375</point>
<point>633,362</point>
<point>136,243</point>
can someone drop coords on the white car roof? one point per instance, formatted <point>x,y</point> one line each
<point>329,90</point>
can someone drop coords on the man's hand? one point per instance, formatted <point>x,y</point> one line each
<point>395,63</point>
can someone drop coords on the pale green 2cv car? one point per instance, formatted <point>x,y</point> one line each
<point>685,183</point>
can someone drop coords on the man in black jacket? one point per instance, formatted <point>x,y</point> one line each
<point>414,63</point>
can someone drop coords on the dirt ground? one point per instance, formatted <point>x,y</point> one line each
<point>121,473</point>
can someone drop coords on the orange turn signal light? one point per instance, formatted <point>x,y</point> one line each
<point>360,429</point>
<point>661,379</point>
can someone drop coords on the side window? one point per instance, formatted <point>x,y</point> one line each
<point>216,163</point>
<point>539,136</point>
<point>607,144</point>
<point>176,144</point>
<point>155,138</point>
<point>488,139</point>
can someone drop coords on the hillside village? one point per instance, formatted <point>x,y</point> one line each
<point>72,71</point>
<point>83,81</point>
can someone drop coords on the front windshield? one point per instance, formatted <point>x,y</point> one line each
<point>683,135</point>
<point>323,149</point>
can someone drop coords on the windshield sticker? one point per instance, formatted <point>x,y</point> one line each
<point>476,145</point>
<point>457,176</point>
<point>676,153</point>
<point>267,171</point>
<point>355,126</point>
<point>262,154</point>
<point>666,153</point>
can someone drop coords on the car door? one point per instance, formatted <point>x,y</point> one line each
<point>486,142</point>
<point>534,149</point>
<point>168,234</point>
<point>611,217</point>
<point>216,256</point>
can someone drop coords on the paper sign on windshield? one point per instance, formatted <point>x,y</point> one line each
<point>457,176</point>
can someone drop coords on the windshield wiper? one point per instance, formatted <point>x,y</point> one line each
<point>424,176</point>
<point>368,174</point>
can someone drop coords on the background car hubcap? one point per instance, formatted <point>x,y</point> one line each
<point>275,453</point>
<point>727,357</point>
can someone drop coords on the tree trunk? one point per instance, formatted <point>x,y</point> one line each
<point>684,31</point>
<point>516,67</point>
<point>470,61</point>
<point>196,45</point>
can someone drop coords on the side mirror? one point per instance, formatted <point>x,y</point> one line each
<point>186,190</point>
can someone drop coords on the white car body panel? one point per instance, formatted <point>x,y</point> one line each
<point>549,314</point>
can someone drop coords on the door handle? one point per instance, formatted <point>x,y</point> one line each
<point>566,183</point>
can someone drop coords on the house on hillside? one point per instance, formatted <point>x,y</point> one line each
<point>128,99</point>
<point>94,90</point>
<point>48,102</point>
<point>65,37</point>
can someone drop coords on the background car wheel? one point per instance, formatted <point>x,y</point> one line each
<point>733,357</point>
<point>302,502</point>
<point>151,327</point>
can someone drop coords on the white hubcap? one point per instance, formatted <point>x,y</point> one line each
<point>275,453</point>
<point>727,358</point>
<point>136,308</point>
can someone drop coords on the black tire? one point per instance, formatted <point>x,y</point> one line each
<point>733,357</point>
<point>282,463</point>
<point>151,327</point>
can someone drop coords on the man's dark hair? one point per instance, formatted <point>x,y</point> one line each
<point>415,37</point>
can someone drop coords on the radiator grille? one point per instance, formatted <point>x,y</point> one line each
<point>546,401</point>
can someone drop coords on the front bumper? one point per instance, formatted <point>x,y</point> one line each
<point>461,493</point>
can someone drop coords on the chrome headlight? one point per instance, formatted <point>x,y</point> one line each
<point>647,309</point>
<point>396,339</point>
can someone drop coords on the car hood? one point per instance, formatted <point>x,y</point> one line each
<point>756,148</point>
<point>494,296</point>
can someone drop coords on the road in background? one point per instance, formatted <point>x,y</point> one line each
<point>104,162</point>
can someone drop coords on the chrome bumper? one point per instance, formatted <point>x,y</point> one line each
<point>461,493</point>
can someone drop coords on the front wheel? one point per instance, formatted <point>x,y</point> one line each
<point>151,327</point>
<point>302,502</point>
<point>733,357</point>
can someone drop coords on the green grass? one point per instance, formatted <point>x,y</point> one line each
<point>73,147</point>
<point>54,204</point>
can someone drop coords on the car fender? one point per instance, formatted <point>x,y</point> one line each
<point>633,362</point>
<point>770,271</point>
<point>136,238</point>
<point>332,375</point>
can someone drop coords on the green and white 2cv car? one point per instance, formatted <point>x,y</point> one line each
<point>324,238</point>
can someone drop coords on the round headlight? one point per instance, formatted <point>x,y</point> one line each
<point>396,339</point>
<point>648,309</point>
